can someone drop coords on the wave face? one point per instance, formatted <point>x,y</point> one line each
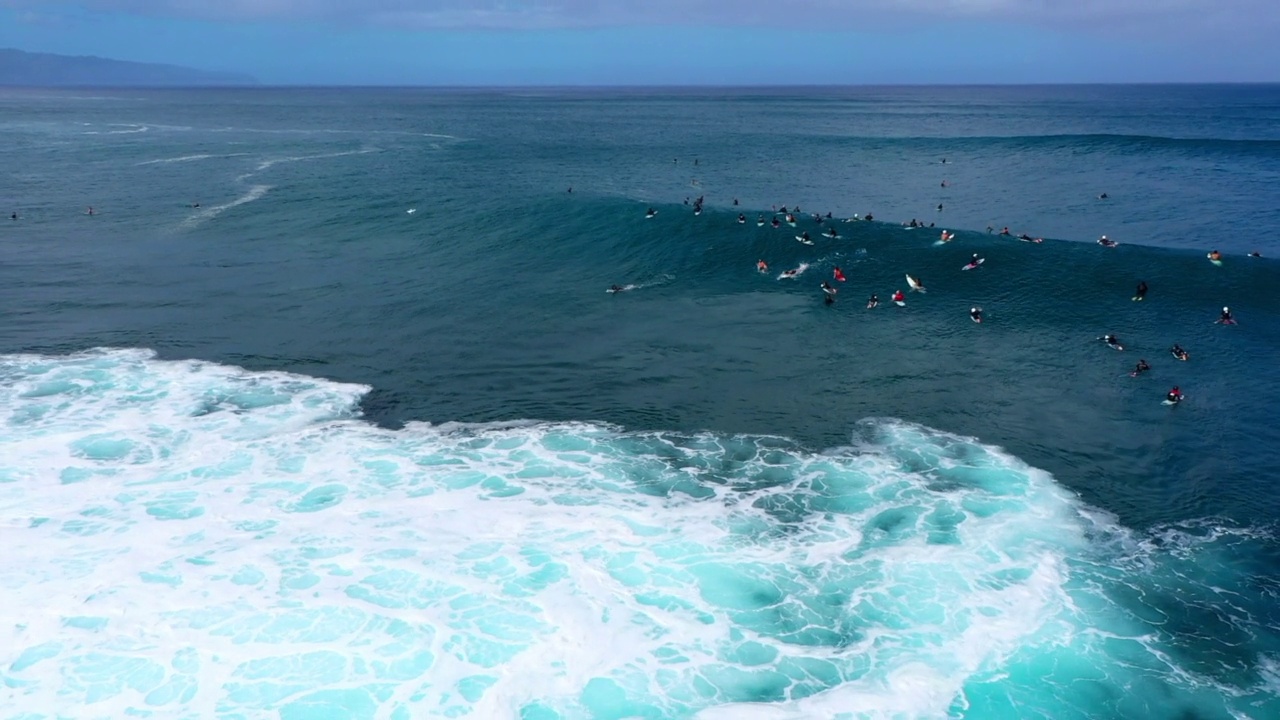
<point>199,540</point>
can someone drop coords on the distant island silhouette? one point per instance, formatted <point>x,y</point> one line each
<point>24,69</point>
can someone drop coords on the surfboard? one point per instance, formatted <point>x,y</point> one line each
<point>1139,298</point>
<point>806,242</point>
<point>899,303</point>
<point>975,319</point>
<point>829,236</point>
<point>974,264</point>
<point>1215,262</point>
<point>648,216</point>
<point>1183,358</point>
<point>624,288</point>
<point>915,284</point>
<point>411,211</point>
<point>1167,401</point>
<point>759,223</point>
<point>799,271</point>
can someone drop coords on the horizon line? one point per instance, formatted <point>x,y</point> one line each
<point>629,86</point>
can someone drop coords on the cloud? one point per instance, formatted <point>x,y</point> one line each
<point>1185,17</point>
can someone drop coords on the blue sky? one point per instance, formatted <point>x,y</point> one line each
<point>606,42</point>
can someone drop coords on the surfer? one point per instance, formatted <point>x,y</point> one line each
<point>898,297</point>
<point>1213,254</point>
<point>1179,353</point>
<point>975,314</point>
<point>90,210</point>
<point>1140,368</point>
<point>14,216</point>
<point>1104,242</point>
<point>828,290</point>
<point>1112,341</point>
<point>869,218</point>
<point>872,301</point>
<point>762,266</point>
<point>974,262</point>
<point>742,219</point>
<point>832,234</point>
<point>1103,196</point>
<point>1141,292</point>
<point>760,221</point>
<point>1255,253</point>
<point>944,183</point>
<point>1226,318</point>
<point>838,274</point>
<point>776,224</point>
<point>915,284</point>
<point>1005,231</point>
<point>735,202</point>
<point>650,213</point>
<point>790,273</point>
<point>1174,397</point>
<point>946,236</point>
<point>804,236</point>
<point>615,288</point>
<point>939,207</point>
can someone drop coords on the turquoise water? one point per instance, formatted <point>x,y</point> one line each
<point>302,453</point>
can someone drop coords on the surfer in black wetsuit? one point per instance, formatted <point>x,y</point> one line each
<point>1104,242</point>
<point>869,218</point>
<point>650,212</point>
<point>742,219</point>
<point>975,314</point>
<point>615,288</point>
<point>1140,368</point>
<point>1112,341</point>
<point>13,216</point>
<point>805,236</point>
<point>735,201</point>
<point>829,292</point>
<point>1178,352</point>
<point>1255,253</point>
<point>1103,196</point>
<point>873,301</point>
<point>1141,292</point>
<point>1226,318</point>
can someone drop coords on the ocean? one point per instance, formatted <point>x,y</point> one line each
<point>326,411</point>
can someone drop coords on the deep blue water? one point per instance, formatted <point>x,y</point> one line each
<point>763,503</point>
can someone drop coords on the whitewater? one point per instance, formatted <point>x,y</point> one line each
<point>197,540</point>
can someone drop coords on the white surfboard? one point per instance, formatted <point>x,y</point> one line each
<point>1167,401</point>
<point>798,272</point>
<point>974,264</point>
<point>1215,262</point>
<point>899,303</point>
<point>915,284</point>
<point>806,242</point>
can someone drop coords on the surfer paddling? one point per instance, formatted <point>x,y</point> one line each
<point>1112,342</point>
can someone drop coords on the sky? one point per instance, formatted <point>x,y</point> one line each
<point>668,42</point>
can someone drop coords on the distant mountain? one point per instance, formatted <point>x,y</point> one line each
<point>45,70</point>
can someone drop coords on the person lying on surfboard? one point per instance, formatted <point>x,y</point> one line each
<point>1104,242</point>
<point>1112,341</point>
<point>1141,367</point>
<point>1179,353</point>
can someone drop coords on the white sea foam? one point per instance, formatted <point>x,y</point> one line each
<point>208,213</point>
<point>198,540</point>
